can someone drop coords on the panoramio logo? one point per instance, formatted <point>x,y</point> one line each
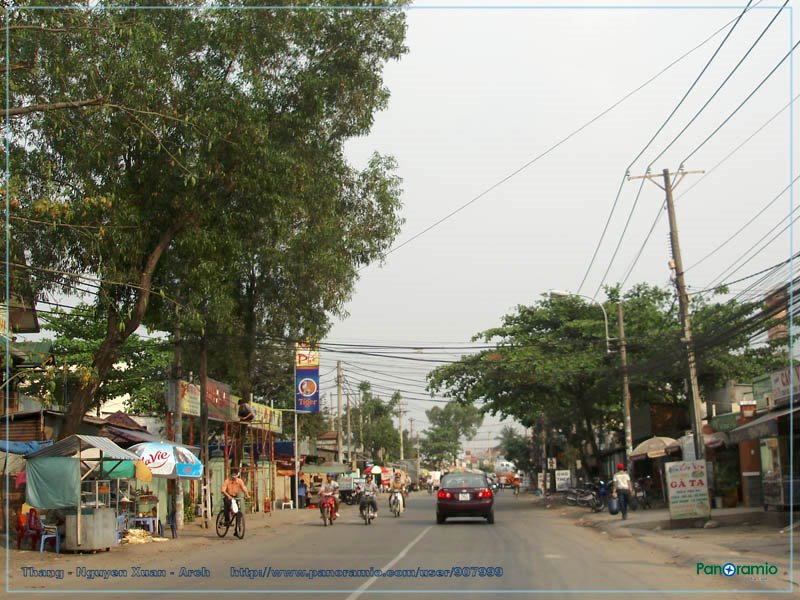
<point>731,569</point>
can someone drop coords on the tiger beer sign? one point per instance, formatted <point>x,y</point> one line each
<point>306,378</point>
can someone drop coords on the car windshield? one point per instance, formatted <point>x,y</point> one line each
<point>463,480</point>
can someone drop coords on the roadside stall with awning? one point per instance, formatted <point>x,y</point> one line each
<point>75,476</point>
<point>777,441</point>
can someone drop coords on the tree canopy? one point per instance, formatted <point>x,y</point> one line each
<point>550,359</point>
<point>188,163</point>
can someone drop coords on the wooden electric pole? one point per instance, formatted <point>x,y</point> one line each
<point>626,392</point>
<point>683,304</point>
<point>349,438</point>
<point>339,410</point>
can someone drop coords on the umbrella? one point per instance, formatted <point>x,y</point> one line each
<point>168,460</point>
<point>655,447</point>
<point>376,470</point>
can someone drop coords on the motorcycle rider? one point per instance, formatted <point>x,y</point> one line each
<point>330,488</point>
<point>368,496</point>
<point>397,486</point>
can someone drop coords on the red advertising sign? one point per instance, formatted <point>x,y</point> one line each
<point>218,400</point>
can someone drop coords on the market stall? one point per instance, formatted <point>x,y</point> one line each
<point>165,460</point>
<point>80,476</point>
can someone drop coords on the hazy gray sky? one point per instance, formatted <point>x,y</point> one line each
<point>483,91</point>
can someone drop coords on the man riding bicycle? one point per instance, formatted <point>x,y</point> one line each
<point>231,488</point>
<point>368,496</point>
<point>399,488</point>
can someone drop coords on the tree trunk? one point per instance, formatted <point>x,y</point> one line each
<point>105,356</point>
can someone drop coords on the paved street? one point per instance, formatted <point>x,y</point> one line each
<point>537,550</point>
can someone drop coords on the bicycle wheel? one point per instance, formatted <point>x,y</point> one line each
<point>238,529</point>
<point>222,524</point>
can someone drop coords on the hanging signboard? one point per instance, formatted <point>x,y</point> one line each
<point>266,418</point>
<point>218,401</point>
<point>189,396</point>
<point>687,485</point>
<point>306,378</point>
<point>306,388</point>
<point>306,357</point>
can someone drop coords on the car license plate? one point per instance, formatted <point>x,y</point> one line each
<point>463,496</point>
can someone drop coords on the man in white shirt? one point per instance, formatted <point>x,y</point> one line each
<point>622,488</point>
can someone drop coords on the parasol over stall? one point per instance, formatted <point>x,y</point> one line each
<point>655,447</point>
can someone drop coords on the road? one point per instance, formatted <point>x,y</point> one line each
<point>528,549</point>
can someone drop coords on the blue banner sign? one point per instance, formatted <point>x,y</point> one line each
<point>306,390</point>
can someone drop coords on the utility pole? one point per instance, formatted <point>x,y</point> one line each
<point>339,410</point>
<point>683,302</point>
<point>349,438</point>
<point>400,418</point>
<point>626,391</point>
<point>545,481</point>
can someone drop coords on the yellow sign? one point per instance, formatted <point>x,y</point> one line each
<point>306,357</point>
<point>267,418</point>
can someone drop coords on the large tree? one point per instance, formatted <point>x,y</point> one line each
<point>550,360</point>
<point>441,443</point>
<point>140,135</point>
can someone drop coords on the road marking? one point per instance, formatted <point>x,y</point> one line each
<point>553,556</point>
<point>388,565</point>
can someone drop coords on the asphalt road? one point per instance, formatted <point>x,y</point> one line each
<point>527,552</point>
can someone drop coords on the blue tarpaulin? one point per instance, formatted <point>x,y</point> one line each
<point>23,447</point>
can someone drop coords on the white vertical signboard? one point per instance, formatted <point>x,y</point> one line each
<point>687,485</point>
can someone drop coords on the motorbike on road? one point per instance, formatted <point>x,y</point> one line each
<point>368,513</point>
<point>327,509</point>
<point>395,503</point>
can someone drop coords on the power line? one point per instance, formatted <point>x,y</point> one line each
<point>565,139</point>
<point>642,151</point>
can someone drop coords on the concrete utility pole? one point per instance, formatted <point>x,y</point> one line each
<point>349,438</point>
<point>683,303</point>
<point>626,392</point>
<point>339,410</point>
<point>400,412</point>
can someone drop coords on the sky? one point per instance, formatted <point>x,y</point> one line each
<point>565,100</point>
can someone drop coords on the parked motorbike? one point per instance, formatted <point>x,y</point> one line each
<point>642,495</point>
<point>585,497</point>
<point>327,509</point>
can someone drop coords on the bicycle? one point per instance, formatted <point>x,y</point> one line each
<point>224,521</point>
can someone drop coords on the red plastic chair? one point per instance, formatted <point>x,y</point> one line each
<point>29,526</point>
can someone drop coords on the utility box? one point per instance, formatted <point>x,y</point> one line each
<point>98,530</point>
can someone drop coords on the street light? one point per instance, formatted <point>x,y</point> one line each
<point>562,294</point>
<point>626,394</point>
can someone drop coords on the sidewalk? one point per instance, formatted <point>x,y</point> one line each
<point>737,535</point>
<point>187,541</point>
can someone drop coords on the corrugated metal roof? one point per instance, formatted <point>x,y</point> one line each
<point>69,447</point>
<point>144,436</point>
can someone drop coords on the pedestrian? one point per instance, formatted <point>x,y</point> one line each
<point>302,494</point>
<point>622,488</point>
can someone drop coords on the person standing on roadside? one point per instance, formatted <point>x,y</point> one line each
<point>622,488</point>
<point>302,494</point>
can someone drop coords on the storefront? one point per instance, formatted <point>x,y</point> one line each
<point>778,433</point>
